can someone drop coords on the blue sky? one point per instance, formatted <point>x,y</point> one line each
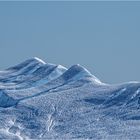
<point>102,36</point>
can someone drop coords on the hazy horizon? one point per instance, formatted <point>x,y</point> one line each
<point>101,36</point>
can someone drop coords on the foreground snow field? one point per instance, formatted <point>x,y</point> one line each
<point>40,100</point>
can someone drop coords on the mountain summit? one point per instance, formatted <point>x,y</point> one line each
<point>40,100</point>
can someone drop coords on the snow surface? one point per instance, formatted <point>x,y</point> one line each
<point>40,100</point>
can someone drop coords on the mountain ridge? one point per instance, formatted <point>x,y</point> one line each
<point>40,100</point>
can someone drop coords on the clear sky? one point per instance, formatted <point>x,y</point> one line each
<point>102,36</point>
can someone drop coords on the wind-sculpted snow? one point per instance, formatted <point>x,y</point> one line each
<point>39,100</point>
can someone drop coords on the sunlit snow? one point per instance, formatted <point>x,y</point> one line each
<point>40,100</point>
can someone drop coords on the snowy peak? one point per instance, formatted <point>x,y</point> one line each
<point>36,71</point>
<point>29,62</point>
<point>76,72</point>
<point>62,67</point>
<point>38,60</point>
<point>75,69</point>
<point>34,60</point>
<point>40,100</point>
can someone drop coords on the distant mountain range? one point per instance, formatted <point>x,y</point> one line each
<point>39,100</point>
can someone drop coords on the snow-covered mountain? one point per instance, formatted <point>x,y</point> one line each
<point>39,100</point>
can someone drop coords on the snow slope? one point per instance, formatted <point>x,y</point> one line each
<point>40,100</point>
